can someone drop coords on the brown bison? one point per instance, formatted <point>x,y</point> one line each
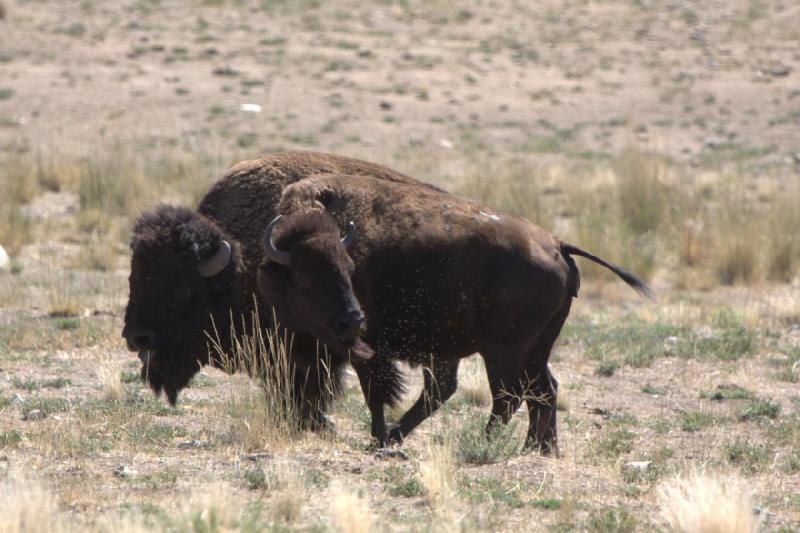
<point>438,278</point>
<point>192,272</point>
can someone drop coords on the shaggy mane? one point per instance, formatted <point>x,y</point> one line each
<point>176,227</point>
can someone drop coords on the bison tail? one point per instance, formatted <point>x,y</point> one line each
<point>628,277</point>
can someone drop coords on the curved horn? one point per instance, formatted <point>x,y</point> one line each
<point>217,263</point>
<point>347,240</point>
<point>273,253</point>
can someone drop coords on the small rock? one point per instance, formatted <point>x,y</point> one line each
<point>599,411</point>
<point>712,142</point>
<point>257,456</point>
<point>444,143</point>
<point>225,71</point>
<point>192,443</point>
<point>779,69</point>
<point>36,414</point>
<point>669,344</point>
<point>5,261</point>
<point>391,453</point>
<point>124,471</point>
<point>386,104</point>
<point>698,34</point>
<point>796,158</point>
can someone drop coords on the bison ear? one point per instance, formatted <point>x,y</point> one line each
<point>325,197</point>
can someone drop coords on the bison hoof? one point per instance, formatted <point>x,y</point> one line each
<point>547,448</point>
<point>395,435</point>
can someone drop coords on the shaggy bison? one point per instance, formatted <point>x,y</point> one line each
<point>193,272</point>
<point>438,278</point>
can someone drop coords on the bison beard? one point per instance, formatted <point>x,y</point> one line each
<point>177,380</point>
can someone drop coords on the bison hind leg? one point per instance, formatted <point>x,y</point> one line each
<point>542,388</point>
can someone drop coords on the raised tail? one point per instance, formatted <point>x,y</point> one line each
<point>628,277</point>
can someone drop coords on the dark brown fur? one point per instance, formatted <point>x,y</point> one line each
<point>438,278</point>
<point>174,309</point>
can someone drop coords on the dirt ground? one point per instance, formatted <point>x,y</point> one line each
<point>700,380</point>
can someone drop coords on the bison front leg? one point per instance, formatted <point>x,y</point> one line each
<point>381,383</point>
<point>313,391</point>
<point>440,382</point>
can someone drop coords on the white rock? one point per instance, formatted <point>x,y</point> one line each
<point>5,261</point>
<point>36,414</point>
<point>639,465</point>
<point>250,108</point>
<point>124,471</point>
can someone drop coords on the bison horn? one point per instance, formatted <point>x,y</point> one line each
<point>273,253</point>
<point>217,263</point>
<point>347,240</point>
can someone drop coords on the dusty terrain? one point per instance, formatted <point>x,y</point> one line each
<point>664,135</point>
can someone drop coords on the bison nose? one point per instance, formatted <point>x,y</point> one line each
<point>348,328</point>
<point>143,339</point>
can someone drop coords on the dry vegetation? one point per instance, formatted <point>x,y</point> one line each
<point>661,135</point>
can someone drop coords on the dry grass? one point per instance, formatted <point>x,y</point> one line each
<point>266,417</point>
<point>288,496</point>
<point>437,474</point>
<point>108,375</point>
<point>64,299</point>
<point>26,507</point>
<point>507,185</point>
<point>98,255</point>
<point>15,228</point>
<point>349,512</point>
<point>707,503</point>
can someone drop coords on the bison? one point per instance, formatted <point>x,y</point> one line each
<point>438,278</point>
<point>194,272</point>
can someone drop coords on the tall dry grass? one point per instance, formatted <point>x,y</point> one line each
<point>349,512</point>
<point>17,187</point>
<point>707,503</point>
<point>122,181</point>
<point>649,215</point>
<point>26,507</point>
<point>638,209</point>
<point>119,181</point>
<point>108,375</point>
<point>265,417</point>
<point>437,474</point>
<point>507,185</point>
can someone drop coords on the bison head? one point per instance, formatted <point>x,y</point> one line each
<point>182,273</point>
<point>306,277</point>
